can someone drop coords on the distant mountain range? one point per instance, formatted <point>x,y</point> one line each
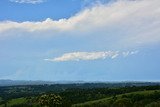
<point>96,83</point>
<point>22,82</point>
<point>38,82</point>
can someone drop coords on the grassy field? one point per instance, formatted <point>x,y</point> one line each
<point>107,101</point>
<point>15,102</point>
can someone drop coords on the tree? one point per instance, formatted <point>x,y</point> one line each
<point>50,100</point>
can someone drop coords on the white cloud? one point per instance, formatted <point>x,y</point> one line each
<point>76,56</point>
<point>125,54</point>
<point>136,21</point>
<point>28,1</point>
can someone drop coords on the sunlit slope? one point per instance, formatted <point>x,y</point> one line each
<point>140,99</point>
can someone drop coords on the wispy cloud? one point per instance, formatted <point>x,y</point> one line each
<point>127,53</point>
<point>77,56</point>
<point>28,1</point>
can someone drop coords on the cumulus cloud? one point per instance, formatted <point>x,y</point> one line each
<point>137,21</point>
<point>77,56</point>
<point>28,1</point>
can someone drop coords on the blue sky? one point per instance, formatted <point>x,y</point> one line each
<point>55,9</point>
<point>88,40</point>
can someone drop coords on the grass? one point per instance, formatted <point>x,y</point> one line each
<point>107,100</point>
<point>0,99</point>
<point>16,101</point>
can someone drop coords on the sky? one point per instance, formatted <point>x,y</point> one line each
<point>80,40</point>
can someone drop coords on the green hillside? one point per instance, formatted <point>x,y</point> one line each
<point>133,99</point>
<point>49,96</point>
<point>17,101</point>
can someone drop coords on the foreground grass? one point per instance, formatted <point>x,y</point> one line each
<point>16,101</point>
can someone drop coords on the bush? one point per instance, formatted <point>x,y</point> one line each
<point>123,102</point>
